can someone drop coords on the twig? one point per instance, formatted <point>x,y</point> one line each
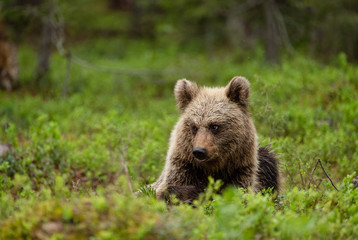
<point>134,72</point>
<point>320,163</point>
<point>327,174</point>
<point>267,101</point>
<point>299,169</point>
<point>320,181</point>
<point>68,74</point>
<point>281,27</point>
<point>123,156</point>
<point>289,174</point>
<point>309,183</point>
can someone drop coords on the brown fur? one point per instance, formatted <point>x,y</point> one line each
<point>215,120</point>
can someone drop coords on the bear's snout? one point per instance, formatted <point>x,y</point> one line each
<point>200,153</point>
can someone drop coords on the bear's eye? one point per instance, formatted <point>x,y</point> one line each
<point>214,128</point>
<point>194,129</point>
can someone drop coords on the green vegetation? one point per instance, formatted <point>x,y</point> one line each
<point>65,176</point>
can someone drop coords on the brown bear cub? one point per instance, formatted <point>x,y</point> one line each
<point>215,137</point>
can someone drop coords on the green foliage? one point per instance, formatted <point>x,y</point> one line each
<point>323,29</point>
<point>147,190</point>
<point>65,175</point>
<point>298,214</point>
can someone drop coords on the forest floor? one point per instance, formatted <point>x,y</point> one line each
<point>64,177</point>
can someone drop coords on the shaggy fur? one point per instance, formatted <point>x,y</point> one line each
<point>215,137</point>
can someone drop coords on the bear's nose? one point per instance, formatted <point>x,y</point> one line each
<point>200,153</point>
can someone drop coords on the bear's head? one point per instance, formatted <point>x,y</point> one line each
<point>215,130</point>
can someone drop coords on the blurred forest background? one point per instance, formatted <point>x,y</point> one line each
<point>320,29</point>
<point>87,106</point>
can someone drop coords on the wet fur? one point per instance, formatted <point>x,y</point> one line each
<point>268,178</point>
<point>268,169</point>
<point>233,155</point>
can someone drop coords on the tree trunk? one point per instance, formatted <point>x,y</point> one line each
<point>272,32</point>
<point>136,20</point>
<point>120,5</point>
<point>235,27</point>
<point>44,53</point>
<point>8,62</point>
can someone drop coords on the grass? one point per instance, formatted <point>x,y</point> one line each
<point>65,178</point>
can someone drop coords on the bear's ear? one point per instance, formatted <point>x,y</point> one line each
<point>238,91</point>
<point>184,92</point>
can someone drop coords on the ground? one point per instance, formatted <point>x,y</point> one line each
<point>66,178</point>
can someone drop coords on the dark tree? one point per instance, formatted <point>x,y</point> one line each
<point>44,51</point>
<point>8,62</point>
